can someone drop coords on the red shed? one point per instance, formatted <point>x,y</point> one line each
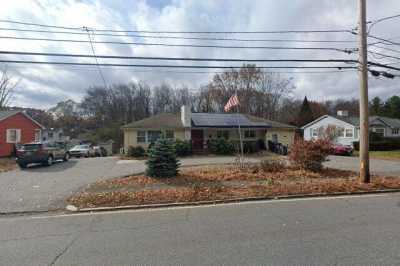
<point>17,127</point>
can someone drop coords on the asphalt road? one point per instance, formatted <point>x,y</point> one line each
<point>342,231</point>
<point>45,188</point>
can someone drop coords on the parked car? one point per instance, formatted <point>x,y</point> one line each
<point>83,150</point>
<point>44,153</point>
<point>340,149</point>
<point>99,151</point>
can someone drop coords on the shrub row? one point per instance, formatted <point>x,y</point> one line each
<point>221,146</point>
<point>381,145</point>
<point>182,148</point>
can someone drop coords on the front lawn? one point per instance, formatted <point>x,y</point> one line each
<point>223,182</point>
<point>386,155</point>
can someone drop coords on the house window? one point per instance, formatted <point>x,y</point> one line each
<point>349,133</point>
<point>380,131</point>
<point>153,136</point>
<point>223,134</point>
<point>38,135</point>
<point>250,134</point>
<point>395,131</point>
<point>340,132</point>
<point>141,136</point>
<point>314,132</point>
<point>169,134</point>
<point>13,135</point>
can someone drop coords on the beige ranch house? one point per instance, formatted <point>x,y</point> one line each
<point>200,127</point>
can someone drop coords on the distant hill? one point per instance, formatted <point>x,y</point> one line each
<point>65,108</point>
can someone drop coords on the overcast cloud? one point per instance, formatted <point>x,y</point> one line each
<point>43,85</point>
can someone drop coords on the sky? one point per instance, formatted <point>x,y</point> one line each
<point>42,86</point>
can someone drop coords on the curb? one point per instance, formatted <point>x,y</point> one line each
<point>237,200</point>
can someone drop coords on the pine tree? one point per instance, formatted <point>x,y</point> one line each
<point>306,114</point>
<point>162,160</point>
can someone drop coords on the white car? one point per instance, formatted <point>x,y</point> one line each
<point>84,150</point>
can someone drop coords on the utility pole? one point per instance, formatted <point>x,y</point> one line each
<point>363,75</point>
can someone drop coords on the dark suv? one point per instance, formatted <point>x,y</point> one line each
<point>44,153</point>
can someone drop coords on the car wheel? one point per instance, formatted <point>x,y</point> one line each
<point>49,160</point>
<point>66,157</point>
<point>22,165</point>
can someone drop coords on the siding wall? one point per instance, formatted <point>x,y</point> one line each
<point>18,121</point>
<point>285,136</point>
<point>334,122</point>
<point>130,137</point>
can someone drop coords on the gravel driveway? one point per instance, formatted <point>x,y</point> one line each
<point>45,188</point>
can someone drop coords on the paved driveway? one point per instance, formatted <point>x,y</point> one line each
<point>384,167</point>
<point>45,188</point>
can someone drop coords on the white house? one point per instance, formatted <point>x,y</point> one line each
<point>348,128</point>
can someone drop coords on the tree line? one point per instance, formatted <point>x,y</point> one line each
<point>263,94</point>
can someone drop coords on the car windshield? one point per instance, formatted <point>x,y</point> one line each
<point>81,147</point>
<point>30,147</point>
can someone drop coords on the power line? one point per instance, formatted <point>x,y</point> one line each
<point>95,57</point>
<point>373,23</point>
<point>183,32</point>
<point>177,37</point>
<point>345,50</point>
<point>158,70</point>
<point>178,58</point>
<point>171,66</point>
<point>384,55</point>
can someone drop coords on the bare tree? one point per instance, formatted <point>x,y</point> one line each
<point>7,87</point>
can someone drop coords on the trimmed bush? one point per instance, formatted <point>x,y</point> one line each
<point>268,165</point>
<point>309,155</point>
<point>386,144</point>
<point>183,147</point>
<point>162,161</point>
<point>250,146</point>
<point>137,151</point>
<point>221,146</point>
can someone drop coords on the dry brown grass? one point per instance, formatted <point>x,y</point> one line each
<point>7,164</point>
<point>225,182</point>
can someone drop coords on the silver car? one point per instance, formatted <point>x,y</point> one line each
<point>84,150</point>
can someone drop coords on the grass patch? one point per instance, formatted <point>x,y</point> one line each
<point>386,155</point>
<point>223,182</point>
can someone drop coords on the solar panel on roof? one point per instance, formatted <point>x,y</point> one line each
<point>223,120</point>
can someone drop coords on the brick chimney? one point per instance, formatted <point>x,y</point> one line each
<point>342,113</point>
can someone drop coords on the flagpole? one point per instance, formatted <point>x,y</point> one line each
<point>240,133</point>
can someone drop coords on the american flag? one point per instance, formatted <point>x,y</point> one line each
<point>233,101</point>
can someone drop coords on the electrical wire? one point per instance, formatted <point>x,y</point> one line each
<point>170,66</point>
<point>345,50</point>
<point>178,58</point>
<point>177,37</point>
<point>182,32</point>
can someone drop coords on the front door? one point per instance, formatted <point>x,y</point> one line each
<point>197,139</point>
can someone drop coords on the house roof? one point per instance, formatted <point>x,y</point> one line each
<point>7,113</point>
<point>207,120</point>
<point>164,120</point>
<point>390,122</point>
<point>355,121</point>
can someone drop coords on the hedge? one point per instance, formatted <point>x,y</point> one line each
<point>383,145</point>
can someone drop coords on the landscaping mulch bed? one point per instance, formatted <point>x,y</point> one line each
<point>221,183</point>
<point>7,164</point>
